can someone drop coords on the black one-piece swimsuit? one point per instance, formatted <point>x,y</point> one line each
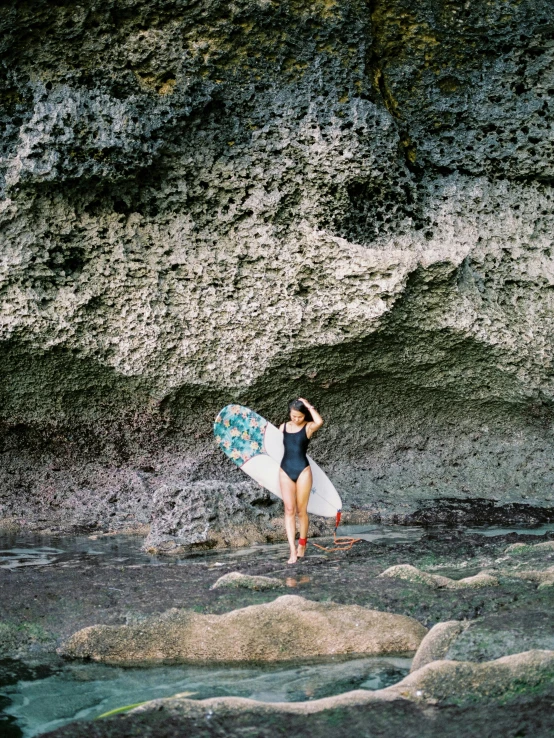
<point>294,459</point>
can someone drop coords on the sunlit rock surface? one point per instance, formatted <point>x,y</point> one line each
<point>254,200</point>
<point>275,631</point>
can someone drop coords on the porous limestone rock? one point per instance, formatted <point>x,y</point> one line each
<point>209,514</point>
<point>254,200</point>
<point>235,579</point>
<point>281,630</point>
<point>412,574</point>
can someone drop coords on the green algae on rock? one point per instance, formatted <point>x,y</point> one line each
<point>501,634</point>
<point>17,638</point>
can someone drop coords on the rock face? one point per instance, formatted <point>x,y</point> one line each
<point>287,628</point>
<point>210,514</point>
<point>254,200</point>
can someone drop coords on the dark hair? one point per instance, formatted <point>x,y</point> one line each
<point>301,408</point>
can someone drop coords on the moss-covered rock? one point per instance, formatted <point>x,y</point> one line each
<point>17,639</point>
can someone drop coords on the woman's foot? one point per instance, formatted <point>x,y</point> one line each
<point>300,551</point>
<point>293,558</point>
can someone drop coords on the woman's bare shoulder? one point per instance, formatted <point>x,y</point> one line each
<point>282,427</point>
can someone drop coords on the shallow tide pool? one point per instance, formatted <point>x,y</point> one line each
<point>23,550</point>
<point>34,700</point>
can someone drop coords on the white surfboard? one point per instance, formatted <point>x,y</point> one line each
<point>256,446</point>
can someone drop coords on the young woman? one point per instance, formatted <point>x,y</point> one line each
<point>295,474</point>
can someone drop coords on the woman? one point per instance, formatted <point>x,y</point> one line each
<point>295,475</point>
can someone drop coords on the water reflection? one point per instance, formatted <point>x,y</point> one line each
<point>19,550</point>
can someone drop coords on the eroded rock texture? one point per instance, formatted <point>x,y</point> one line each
<point>212,201</point>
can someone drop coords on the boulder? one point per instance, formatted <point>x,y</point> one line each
<point>543,577</point>
<point>211,514</point>
<point>451,682</point>
<point>288,628</point>
<point>530,547</point>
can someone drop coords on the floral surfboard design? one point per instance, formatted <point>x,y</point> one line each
<point>239,433</point>
<point>256,446</point>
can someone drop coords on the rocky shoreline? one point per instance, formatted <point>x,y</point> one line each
<point>486,602</point>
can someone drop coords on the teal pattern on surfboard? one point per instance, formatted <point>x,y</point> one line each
<point>239,433</point>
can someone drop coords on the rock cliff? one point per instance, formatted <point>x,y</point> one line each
<point>206,201</point>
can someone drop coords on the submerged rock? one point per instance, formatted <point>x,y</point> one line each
<point>412,574</point>
<point>234,579</point>
<point>443,682</point>
<point>290,627</point>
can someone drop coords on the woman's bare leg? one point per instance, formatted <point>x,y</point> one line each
<point>303,489</point>
<point>288,490</point>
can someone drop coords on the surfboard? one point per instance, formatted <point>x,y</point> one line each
<point>256,447</point>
